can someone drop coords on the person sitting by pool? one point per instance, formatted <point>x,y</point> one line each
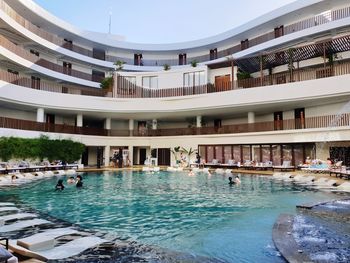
<point>230,181</point>
<point>79,182</point>
<point>59,185</point>
<point>71,180</point>
<point>237,181</point>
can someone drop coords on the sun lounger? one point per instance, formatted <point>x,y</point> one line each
<point>6,218</point>
<point>67,250</point>
<point>6,256</point>
<point>8,209</point>
<point>44,240</point>
<point>6,204</point>
<point>23,224</point>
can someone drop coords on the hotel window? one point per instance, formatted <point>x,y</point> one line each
<point>36,53</point>
<point>67,68</point>
<point>99,54</point>
<point>68,44</point>
<point>35,84</point>
<point>138,60</point>
<point>213,54</point>
<point>150,82</point>
<point>244,44</point>
<point>182,59</point>
<point>279,31</point>
<point>299,116</point>
<point>97,76</point>
<point>278,120</point>
<point>194,79</point>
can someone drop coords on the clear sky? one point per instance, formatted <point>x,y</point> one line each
<point>160,21</point>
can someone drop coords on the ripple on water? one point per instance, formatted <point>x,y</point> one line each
<point>199,215</point>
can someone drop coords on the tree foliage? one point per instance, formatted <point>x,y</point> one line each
<point>40,148</point>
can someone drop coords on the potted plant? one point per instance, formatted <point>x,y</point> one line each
<point>119,65</point>
<point>166,67</point>
<point>194,63</point>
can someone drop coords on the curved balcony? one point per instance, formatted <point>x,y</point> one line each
<point>313,21</point>
<point>328,121</point>
<point>5,43</point>
<point>50,86</point>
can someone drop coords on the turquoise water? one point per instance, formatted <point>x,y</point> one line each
<point>200,214</point>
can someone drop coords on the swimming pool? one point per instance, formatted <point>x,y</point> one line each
<point>201,215</point>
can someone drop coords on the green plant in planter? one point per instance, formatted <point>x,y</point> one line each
<point>166,67</point>
<point>194,63</point>
<point>107,82</point>
<point>242,74</point>
<point>119,65</point>
<point>175,152</point>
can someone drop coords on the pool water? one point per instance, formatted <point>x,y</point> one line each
<point>202,215</point>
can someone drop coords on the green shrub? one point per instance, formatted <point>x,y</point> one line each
<point>40,148</point>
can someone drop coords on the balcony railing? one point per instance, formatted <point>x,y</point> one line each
<point>323,18</point>
<point>44,63</point>
<point>50,86</point>
<point>125,89</point>
<point>327,121</point>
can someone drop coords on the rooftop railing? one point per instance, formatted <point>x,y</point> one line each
<point>326,17</point>
<point>4,42</point>
<point>327,121</point>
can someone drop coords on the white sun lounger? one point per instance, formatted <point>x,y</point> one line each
<point>6,204</point>
<point>8,209</point>
<point>3,219</point>
<point>23,224</point>
<point>67,250</point>
<point>44,240</point>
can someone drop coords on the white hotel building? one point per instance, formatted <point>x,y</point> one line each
<point>276,88</point>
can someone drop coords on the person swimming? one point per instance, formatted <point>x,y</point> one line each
<point>59,185</point>
<point>230,181</point>
<point>71,180</point>
<point>79,181</point>
<point>237,181</point>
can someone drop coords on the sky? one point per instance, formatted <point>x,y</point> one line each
<point>160,21</point>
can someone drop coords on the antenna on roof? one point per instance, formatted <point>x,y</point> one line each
<point>110,22</point>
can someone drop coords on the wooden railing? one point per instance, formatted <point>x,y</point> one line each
<point>328,121</point>
<point>125,89</point>
<point>50,86</point>
<point>288,29</point>
<point>44,63</point>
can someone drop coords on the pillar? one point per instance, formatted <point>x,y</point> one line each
<point>251,117</point>
<point>107,155</point>
<point>108,122</point>
<point>131,127</point>
<point>199,121</point>
<point>40,115</point>
<point>154,124</point>
<point>131,155</point>
<point>80,120</point>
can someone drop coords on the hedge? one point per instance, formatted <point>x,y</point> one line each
<point>40,148</point>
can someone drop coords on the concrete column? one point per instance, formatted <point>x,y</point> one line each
<point>199,121</point>
<point>107,155</point>
<point>131,155</point>
<point>251,117</point>
<point>154,124</point>
<point>80,120</point>
<point>40,115</point>
<point>131,127</point>
<point>108,122</point>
